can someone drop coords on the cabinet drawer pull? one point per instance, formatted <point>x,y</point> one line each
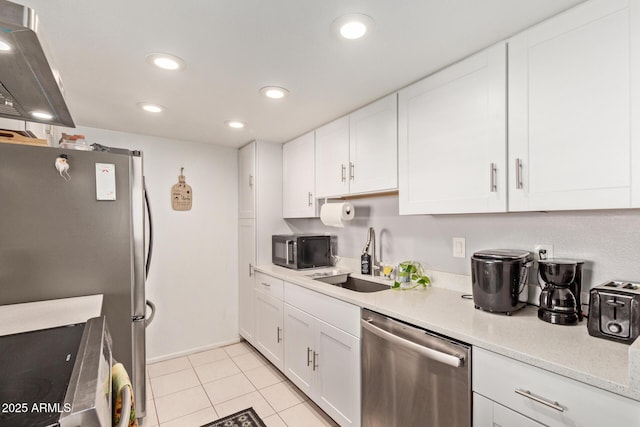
<point>315,357</point>
<point>492,178</point>
<point>308,356</point>
<point>343,170</point>
<point>268,285</point>
<point>278,338</point>
<point>352,171</point>
<point>310,199</point>
<point>519,185</point>
<point>529,395</point>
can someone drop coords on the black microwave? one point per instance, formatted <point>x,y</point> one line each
<point>300,251</point>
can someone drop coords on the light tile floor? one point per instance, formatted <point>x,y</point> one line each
<point>202,387</point>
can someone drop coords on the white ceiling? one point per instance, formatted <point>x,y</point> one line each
<point>232,48</point>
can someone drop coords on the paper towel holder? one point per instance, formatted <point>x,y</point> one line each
<point>326,201</point>
<point>335,214</point>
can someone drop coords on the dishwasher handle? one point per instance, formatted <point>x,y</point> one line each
<point>447,359</point>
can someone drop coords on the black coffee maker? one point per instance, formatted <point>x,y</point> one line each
<point>560,301</point>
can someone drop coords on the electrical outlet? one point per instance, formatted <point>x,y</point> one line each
<point>540,247</point>
<point>458,247</point>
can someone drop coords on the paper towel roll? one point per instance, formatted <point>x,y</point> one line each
<point>334,214</point>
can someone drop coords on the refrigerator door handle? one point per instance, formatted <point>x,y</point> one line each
<point>149,319</point>
<point>139,365</point>
<point>150,223</point>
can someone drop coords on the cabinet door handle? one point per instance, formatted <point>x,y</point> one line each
<point>308,356</point>
<point>250,270</point>
<point>315,359</point>
<point>278,338</point>
<point>493,178</point>
<point>550,404</point>
<point>250,180</point>
<point>288,243</point>
<point>343,171</point>
<point>310,199</point>
<point>352,171</point>
<point>519,185</point>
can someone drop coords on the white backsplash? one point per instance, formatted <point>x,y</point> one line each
<point>608,240</point>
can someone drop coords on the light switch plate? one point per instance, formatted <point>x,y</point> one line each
<point>458,247</point>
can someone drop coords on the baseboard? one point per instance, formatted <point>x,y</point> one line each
<point>193,350</point>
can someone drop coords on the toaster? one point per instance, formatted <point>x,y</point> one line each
<point>614,311</point>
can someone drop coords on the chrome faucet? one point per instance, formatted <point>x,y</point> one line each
<point>371,243</point>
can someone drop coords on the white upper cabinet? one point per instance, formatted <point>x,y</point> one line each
<point>246,181</point>
<point>332,158</point>
<point>357,153</point>
<point>373,147</point>
<point>574,110</point>
<point>298,197</point>
<point>452,138</point>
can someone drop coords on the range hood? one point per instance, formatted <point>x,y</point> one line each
<point>28,83</point>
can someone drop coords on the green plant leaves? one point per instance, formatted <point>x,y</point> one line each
<point>413,270</point>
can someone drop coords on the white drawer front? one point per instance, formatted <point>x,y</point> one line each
<point>500,378</point>
<point>338,313</point>
<point>269,285</point>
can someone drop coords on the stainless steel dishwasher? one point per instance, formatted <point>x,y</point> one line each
<point>412,377</point>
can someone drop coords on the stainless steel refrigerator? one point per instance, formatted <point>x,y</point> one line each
<point>83,232</point>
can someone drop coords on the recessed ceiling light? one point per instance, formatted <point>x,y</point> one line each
<point>5,47</point>
<point>165,61</point>
<point>274,92</point>
<point>353,26</point>
<point>41,115</point>
<point>236,124</point>
<point>150,108</point>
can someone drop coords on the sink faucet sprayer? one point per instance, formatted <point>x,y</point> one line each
<point>368,263</point>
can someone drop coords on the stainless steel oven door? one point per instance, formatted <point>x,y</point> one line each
<point>87,402</point>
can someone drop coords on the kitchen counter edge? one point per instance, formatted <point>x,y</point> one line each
<point>567,351</point>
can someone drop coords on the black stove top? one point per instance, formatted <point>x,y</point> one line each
<point>35,368</point>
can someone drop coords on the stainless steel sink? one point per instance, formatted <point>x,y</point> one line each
<point>355,284</point>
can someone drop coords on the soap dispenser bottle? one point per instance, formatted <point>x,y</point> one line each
<point>365,258</point>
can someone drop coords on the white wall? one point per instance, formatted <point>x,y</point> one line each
<point>193,277</point>
<point>608,240</point>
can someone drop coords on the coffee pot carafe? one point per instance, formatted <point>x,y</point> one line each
<point>560,301</point>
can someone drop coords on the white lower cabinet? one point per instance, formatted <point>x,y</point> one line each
<point>246,262</point>
<point>299,348</point>
<point>320,358</point>
<point>314,339</point>
<point>487,413</point>
<point>269,318</point>
<point>511,393</point>
<point>337,370</point>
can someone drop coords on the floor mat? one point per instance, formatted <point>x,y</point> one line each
<point>245,418</point>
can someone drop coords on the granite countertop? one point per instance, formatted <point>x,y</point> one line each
<point>31,316</point>
<point>566,350</point>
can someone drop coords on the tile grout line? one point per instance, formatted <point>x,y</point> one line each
<point>203,389</point>
<point>265,363</point>
<point>255,389</point>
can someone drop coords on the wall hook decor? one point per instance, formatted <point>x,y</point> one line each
<point>181,194</point>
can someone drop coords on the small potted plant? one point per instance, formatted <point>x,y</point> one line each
<point>410,275</point>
